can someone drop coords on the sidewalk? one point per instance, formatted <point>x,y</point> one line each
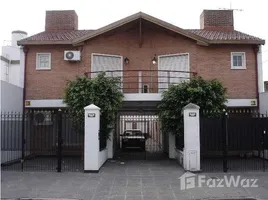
<point>134,180</point>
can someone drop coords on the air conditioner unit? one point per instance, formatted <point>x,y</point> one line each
<point>43,118</point>
<point>72,55</point>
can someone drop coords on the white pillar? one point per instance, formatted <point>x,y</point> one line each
<point>91,148</point>
<point>110,145</point>
<point>191,149</point>
<point>171,150</point>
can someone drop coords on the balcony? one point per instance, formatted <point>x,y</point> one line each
<point>145,85</point>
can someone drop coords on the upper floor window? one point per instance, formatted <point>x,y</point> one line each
<point>43,61</point>
<point>238,60</point>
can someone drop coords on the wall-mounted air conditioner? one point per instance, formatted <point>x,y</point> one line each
<point>72,55</point>
<point>43,118</point>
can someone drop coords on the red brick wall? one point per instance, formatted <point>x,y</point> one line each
<point>61,20</point>
<point>209,62</point>
<point>215,62</point>
<point>217,20</point>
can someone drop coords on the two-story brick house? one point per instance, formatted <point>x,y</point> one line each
<point>147,53</point>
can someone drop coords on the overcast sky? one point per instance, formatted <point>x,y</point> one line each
<point>29,15</point>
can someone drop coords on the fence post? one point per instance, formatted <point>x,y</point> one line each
<point>92,144</point>
<point>59,117</point>
<point>191,151</point>
<point>263,149</point>
<point>23,139</point>
<point>225,142</point>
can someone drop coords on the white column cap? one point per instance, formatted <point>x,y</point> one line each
<point>191,106</point>
<point>91,107</point>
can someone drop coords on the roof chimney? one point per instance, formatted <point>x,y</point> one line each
<point>217,20</point>
<point>61,20</point>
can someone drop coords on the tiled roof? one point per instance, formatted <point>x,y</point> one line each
<point>203,37</point>
<point>223,35</point>
<point>58,35</point>
<point>210,35</point>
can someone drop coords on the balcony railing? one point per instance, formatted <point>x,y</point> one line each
<point>146,81</point>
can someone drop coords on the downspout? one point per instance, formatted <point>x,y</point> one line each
<point>258,64</point>
<point>25,50</point>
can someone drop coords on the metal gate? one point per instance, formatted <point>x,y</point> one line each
<point>49,142</point>
<point>150,127</point>
<point>236,141</point>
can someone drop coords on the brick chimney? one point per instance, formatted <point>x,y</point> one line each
<point>61,20</point>
<point>217,20</point>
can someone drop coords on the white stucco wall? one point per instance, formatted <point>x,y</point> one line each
<point>11,97</point>
<point>264,103</point>
<point>14,54</point>
<point>103,156</point>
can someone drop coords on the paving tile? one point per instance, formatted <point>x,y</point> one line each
<point>117,197</point>
<point>117,191</point>
<point>167,197</point>
<point>134,197</point>
<point>133,191</point>
<point>135,180</point>
<point>101,197</point>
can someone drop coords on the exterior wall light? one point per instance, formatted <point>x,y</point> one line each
<point>126,60</point>
<point>154,61</point>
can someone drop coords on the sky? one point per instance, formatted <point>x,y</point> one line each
<point>29,15</point>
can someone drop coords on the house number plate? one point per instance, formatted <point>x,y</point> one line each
<point>192,114</point>
<point>91,115</point>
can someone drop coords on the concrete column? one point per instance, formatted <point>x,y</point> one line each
<point>110,145</point>
<point>172,146</point>
<point>91,148</point>
<point>191,160</point>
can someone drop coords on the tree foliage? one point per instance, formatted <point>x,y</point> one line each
<point>102,91</point>
<point>209,95</point>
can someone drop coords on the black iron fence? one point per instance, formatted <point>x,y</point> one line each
<point>50,141</point>
<point>146,81</point>
<point>234,141</point>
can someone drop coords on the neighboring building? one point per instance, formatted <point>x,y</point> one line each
<point>265,86</point>
<point>12,73</point>
<point>264,99</point>
<point>147,53</point>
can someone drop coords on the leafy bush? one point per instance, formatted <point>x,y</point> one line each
<point>209,95</point>
<point>102,91</point>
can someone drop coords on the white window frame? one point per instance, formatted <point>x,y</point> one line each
<point>244,65</point>
<point>38,62</point>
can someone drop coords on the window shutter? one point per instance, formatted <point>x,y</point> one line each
<point>172,63</point>
<point>102,63</point>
